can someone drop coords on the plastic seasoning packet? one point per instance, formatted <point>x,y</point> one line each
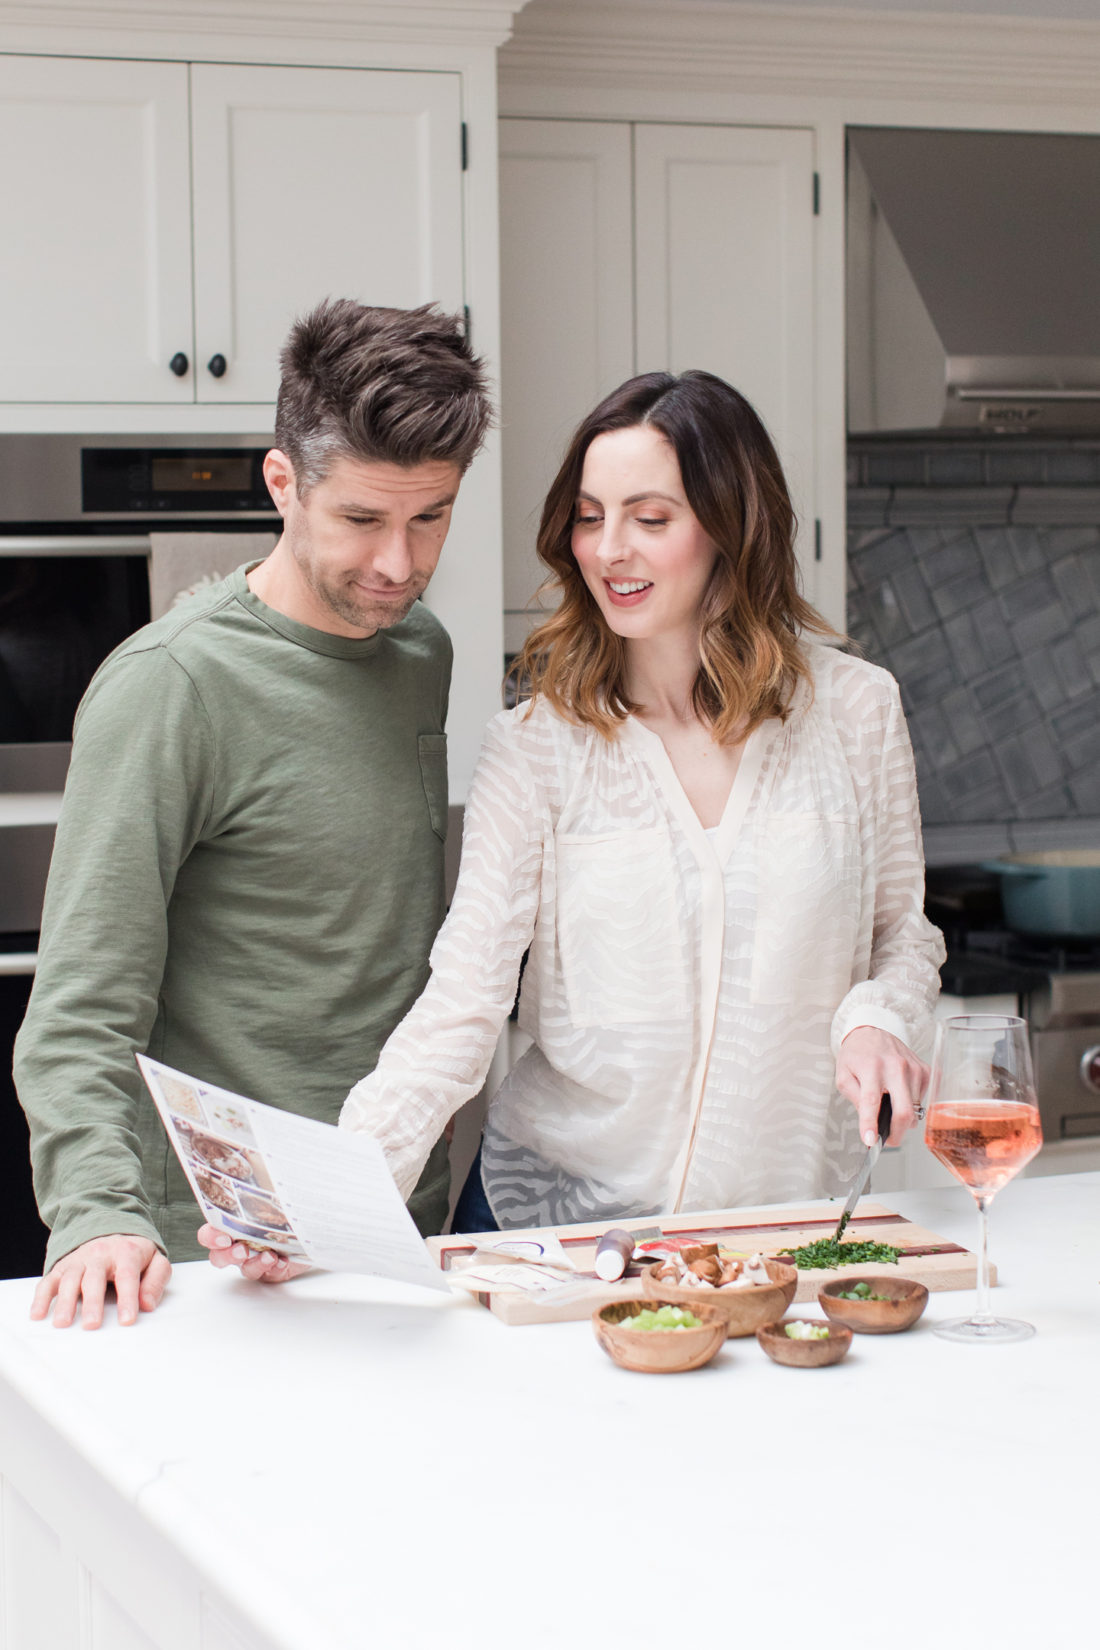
<point>528,1265</point>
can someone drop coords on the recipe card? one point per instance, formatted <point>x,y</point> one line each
<point>273,1180</point>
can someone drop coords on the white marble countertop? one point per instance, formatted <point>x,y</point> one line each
<point>357,1465</point>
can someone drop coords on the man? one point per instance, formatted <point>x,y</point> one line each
<point>248,870</point>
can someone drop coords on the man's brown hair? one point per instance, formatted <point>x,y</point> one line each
<point>394,386</point>
<point>752,614</point>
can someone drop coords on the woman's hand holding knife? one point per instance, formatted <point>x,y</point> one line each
<point>872,1063</point>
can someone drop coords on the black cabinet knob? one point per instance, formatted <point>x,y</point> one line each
<point>179,364</point>
<point>216,366</point>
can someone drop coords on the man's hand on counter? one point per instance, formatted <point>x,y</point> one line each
<point>872,1063</point>
<point>134,1265</point>
<point>262,1266</point>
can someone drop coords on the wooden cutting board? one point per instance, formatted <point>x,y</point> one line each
<point>925,1256</point>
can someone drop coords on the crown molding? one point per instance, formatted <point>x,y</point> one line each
<point>834,52</point>
<point>67,25</point>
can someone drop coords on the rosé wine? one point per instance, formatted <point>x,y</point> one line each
<point>984,1142</point>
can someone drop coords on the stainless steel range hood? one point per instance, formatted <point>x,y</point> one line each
<point>973,282</point>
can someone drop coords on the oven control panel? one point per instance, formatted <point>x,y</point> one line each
<point>98,483</point>
<point>151,480</point>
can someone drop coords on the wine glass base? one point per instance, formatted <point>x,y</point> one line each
<point>984,1329</point>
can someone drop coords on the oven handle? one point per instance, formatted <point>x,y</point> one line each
<point>60,544</point>
<point>18,962</point>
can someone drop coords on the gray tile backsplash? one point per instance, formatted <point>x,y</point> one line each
<point>974,576</point>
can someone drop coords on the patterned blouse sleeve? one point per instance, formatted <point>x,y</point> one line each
<point>439,1055</point>
<point>906,949</point>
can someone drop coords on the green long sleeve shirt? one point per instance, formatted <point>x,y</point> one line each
<point>246,881</point>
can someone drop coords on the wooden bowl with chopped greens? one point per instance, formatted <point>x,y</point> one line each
<point>804,1343</point>
<point>674,1338</point>
<point>873,1304</point>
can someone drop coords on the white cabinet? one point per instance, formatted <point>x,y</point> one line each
<point>141,231</point>
<point>95,245</point>
<point>567,313</point>
<point>634,247</point>
<point>310,183</point>
<point>724,250</point>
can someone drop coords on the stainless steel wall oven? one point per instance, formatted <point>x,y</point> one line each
<point>76,515</point>
<point>80,518</point>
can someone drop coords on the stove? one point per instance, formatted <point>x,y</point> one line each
<point>1056,982</point>
<point>1064,1017</point>
<point>1036,953</point>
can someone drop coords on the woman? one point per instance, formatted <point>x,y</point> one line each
<point>704,832</point>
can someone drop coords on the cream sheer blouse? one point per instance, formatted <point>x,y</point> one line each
<point>686,994</point>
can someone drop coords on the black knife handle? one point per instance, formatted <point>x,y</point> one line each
<point>885,1118</point>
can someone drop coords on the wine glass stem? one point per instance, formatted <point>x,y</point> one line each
<point>983,1312</point>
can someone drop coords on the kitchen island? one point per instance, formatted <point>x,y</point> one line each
<point>342,1464</point>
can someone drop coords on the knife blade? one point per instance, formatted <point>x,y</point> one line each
<point>885,1122</point>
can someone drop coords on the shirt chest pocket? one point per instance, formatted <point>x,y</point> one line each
<point>431,748</point>
<point>618,928</point>
<point>807,909</point>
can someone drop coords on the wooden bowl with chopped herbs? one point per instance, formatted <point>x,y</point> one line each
<point>872,1304</point>
<point>804,1343</point>
<point>659,1337</point>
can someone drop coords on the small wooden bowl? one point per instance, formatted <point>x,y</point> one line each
<point>745,1309</point>
<point>804,1354</point>
<point>905,1301</point>
<point>658,1351</point>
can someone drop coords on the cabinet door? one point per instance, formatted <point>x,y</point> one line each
<point>567,313</point>
<point>314,183</point>
<point>95,250</point>
<point>725,274</point>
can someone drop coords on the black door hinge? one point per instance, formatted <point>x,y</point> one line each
<point>817,541</point>
<point>465,147</point>
<point>817,194</point>
<point>466,323</point>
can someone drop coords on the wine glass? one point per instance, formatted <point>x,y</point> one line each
<point>983,1124</point>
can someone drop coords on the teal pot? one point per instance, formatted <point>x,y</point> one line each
<point>1056,894</point>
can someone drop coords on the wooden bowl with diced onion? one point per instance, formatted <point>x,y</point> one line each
<point>810,1354</point>
<point>658,1351</point>
<point>745,1309</point>
<point>893,1304</point>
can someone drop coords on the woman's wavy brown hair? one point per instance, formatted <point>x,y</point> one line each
<point>752,615</point>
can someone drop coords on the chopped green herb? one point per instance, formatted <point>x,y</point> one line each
<point>806,1331</point>
<point>827,1252</point>
<point>859,1292</point>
